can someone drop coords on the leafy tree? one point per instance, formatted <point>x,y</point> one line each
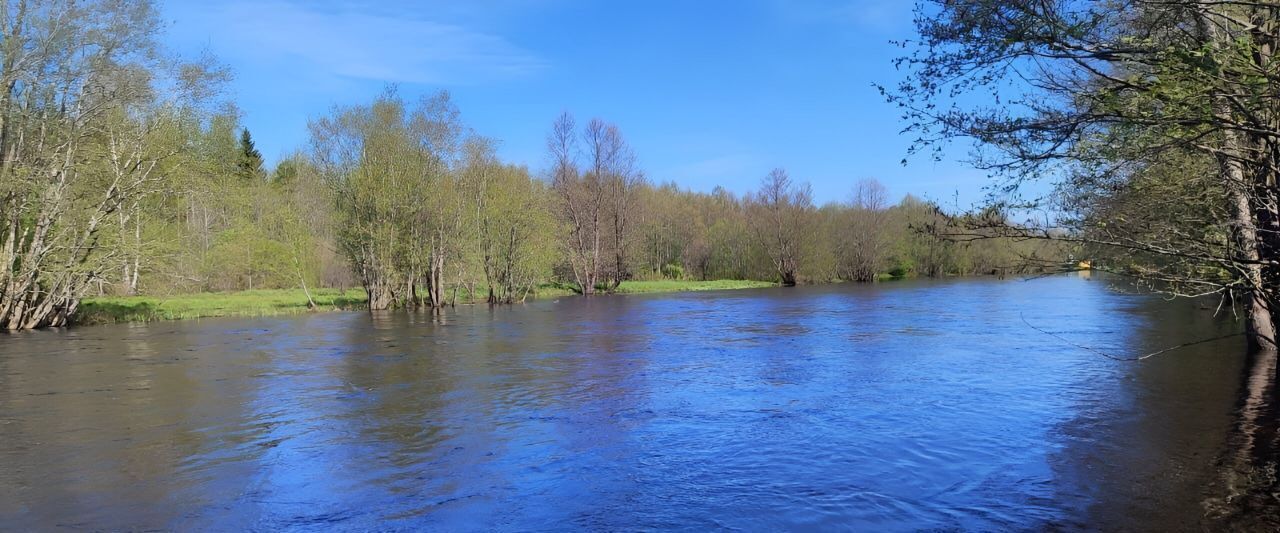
<point>86,108</point>
<point>1110,93</point>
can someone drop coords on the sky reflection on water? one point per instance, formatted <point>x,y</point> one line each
<point>900,406</point>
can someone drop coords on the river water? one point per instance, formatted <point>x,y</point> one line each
<point>895,406</point>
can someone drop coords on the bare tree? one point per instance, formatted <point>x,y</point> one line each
<point>781,215</point>
<point>863,247</point>
<point>580,203</point>
<point>596,198</point>
<point>613,171</point>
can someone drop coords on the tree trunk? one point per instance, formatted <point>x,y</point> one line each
<point>379,295</point>
<point>311,303</point>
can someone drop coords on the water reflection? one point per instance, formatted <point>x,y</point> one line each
<point>905,405</point>
<point>1245,496</point>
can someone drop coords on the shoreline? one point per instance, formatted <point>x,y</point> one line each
<point>277,302</point>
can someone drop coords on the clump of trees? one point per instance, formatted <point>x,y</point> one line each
<point>423,202</point>
<point>777,233</point>
<point>515,224</point>
<point>122,174</point>
<point>92,120</point>
<point>1158,121</point>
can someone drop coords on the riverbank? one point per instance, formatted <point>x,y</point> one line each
<point>113,309</point>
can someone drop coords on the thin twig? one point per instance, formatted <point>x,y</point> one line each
<point>1117,358</point>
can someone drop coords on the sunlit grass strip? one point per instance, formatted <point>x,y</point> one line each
<point>292,301</point>
<point>213,304</point>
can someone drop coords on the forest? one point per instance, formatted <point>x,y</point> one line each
<point>127,171</point>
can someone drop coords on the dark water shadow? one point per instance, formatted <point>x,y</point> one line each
<point>1142,457</point>
<point>1247,495</point>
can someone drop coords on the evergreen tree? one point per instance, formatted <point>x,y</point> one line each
<point>250,164</point>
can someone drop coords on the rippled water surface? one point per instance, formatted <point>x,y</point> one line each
<point>896,406</point>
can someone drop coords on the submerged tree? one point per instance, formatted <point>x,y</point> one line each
<point>365,152</point>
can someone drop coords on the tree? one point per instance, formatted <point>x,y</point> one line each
<point>250,160</point>
<point>862,248</point>
<point>83,123</point>
<point>515,225</point>
<point>365,153</point>
<point>441,199</point>
<point>612,172</point>
<point>579,205</point>
<point>781,215</point>
<point>1112,91</point>
<point>597,198</point>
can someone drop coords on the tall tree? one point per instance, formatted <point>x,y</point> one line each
<point>781,215</point>
<point>597,198</point>
<point>580,203</point>
<point>249,163</point>
<point>1111,91</point>
<point>862,248</point>
<point>442,198</point>
<point>84,127</point>
<point>612,171</point>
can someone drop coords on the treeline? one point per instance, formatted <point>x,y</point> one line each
<point>424,211</point>
<point>403,199</point>
<point>121,173</point>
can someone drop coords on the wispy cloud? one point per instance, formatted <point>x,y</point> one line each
<point>349,41</point>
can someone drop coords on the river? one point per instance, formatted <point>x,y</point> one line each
<point>893,406</point>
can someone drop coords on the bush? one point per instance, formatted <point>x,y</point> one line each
<point>900,270</point>
<point>672,271</point>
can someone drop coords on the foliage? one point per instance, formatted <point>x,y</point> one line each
<point>1156,120</point>
<point>90,119</point>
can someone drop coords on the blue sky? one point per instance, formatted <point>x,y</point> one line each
<point>709,93</point>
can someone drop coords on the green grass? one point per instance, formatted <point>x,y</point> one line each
<point>213,304</point>
<point>291,301</point>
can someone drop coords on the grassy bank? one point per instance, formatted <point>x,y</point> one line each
<point>290,301</point>
<point>211,304</point>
